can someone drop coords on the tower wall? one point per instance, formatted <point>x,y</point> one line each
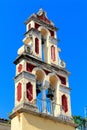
<point>28,121</point>
<point>42,92</point>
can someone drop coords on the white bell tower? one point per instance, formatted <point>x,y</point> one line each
<point>41,81</point>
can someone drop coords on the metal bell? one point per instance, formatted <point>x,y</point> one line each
<point>38,85</point>
<point>50,94</point>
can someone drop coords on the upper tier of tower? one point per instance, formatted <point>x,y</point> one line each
<point>42,19</point>
<point>41,40</point>
<point>41,76</point>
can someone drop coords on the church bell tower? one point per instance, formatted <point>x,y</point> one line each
<point>41,81</point>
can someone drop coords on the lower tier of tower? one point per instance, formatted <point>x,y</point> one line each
<point>26,119</point>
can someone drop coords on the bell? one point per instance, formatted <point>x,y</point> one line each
<point>38,85</point>
<point>43,40</point>
<point>37,91</point>
<point>50,94</point>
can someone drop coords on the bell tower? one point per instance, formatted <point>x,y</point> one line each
<point>41,81</point>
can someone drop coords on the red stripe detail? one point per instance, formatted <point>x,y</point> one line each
<point>37,26</point>
<point>19,92</point>
<point>46,71</point>
<point>29,26</point>
<point>44,18</point>
<point>52,33</point>
<point>19,68</point>
<point>29,67</point>
<point>29,91</point>
<point>37,45</point>
<point>64,103</point>
<point>63,79</point>
<point>53,56</point>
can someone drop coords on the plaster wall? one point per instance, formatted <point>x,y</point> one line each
<point>26,121</point>
<point>24,81</point>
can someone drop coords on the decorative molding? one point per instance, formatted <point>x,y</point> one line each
<point>64,89</point>
<point>62,64</point>
<point>53,40</point>
<point>36,19</point>
<point>26,75</point>
<point>44,65</point>
<point>66,118</point>
<point>35,32</point>
<point>26,108</point>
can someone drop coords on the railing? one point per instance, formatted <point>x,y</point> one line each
<point>45,106</point>
<point>48,107</point>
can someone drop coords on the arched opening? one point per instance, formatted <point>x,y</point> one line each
<point>53,80</point>
<point>51,93</point>
<point>43,40</point>
<point>43,32</point>
<point>64,103</point>
<point>52,86</point>
<point>39,81</point>
<point>40,91</point>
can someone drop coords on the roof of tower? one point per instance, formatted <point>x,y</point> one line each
<point>41,17</point>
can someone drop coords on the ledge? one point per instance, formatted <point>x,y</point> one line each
<point>26,75</point>
<point>38,62</point>
<point>26,109</point>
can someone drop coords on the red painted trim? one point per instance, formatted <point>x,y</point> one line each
<point>19,68</point>
<point>51,33</point>
<point>43,17</point>
<point>53,56</point>
<point>19,92</point>
<point>64,103</point>
<point>46,71</point>
<point>29,26</point>
<point>29,67</point>
<point>29,91</point>
<point>37,45</point>
<point>37,25</point>
<point>63,79</point>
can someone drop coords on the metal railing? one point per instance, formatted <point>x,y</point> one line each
<point>45,106</point>
<point>49,107</point>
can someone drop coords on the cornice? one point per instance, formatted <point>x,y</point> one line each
<point>26,75</point>
<point>40,63</point>
<point>41,22</point>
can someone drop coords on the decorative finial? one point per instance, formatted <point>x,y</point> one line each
<point>41,11</point>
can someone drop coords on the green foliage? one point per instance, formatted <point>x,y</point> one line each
<point>82,122</point>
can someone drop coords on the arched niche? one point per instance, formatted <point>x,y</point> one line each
<point>53,80</point>
<point>40,76</point>
<point>45,34</point>
<point>44,31</point>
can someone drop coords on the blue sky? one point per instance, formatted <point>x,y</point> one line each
<point>70,17</point>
